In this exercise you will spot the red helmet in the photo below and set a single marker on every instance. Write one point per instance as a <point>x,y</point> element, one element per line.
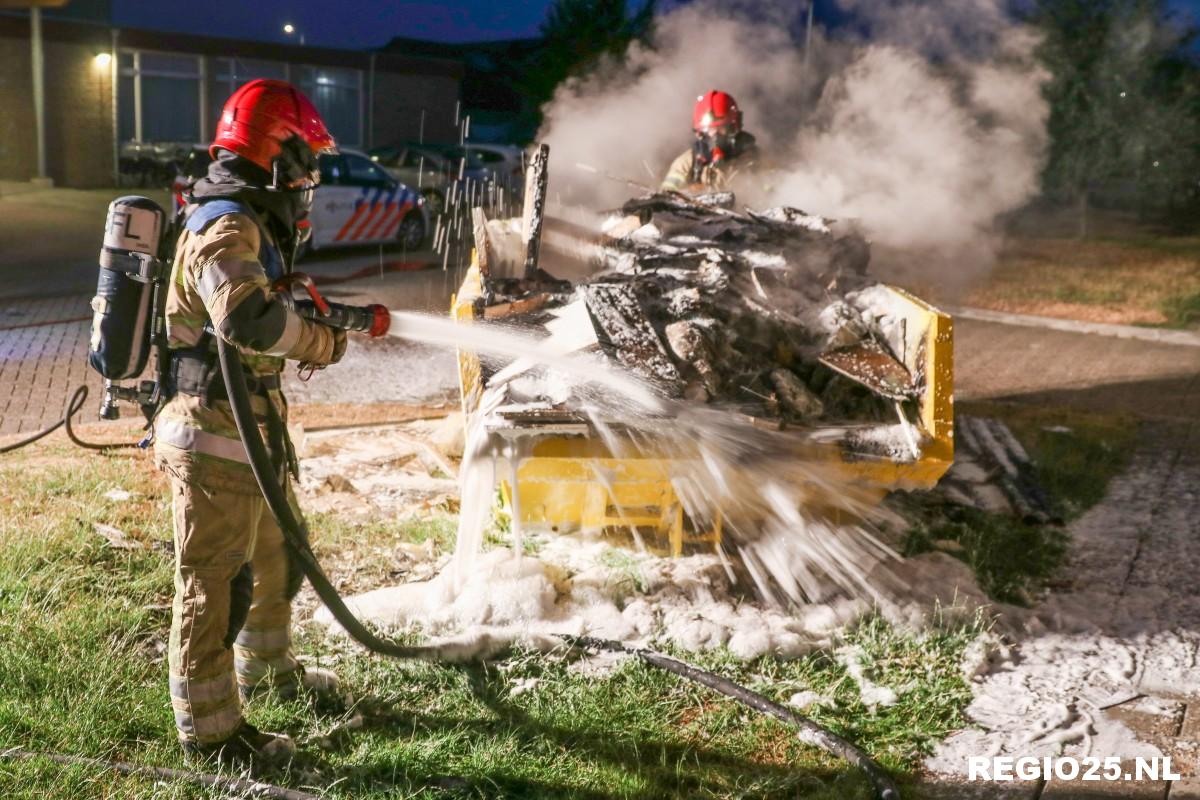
<point>716,112</point>
<point>263,115</point>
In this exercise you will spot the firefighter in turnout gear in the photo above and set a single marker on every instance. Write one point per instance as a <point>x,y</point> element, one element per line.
<point>721,148</point>
<point>230,628</point>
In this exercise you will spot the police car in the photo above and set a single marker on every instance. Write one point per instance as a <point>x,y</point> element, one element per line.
<point>358,202</point>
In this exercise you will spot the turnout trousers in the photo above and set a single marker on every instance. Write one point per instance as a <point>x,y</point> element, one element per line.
<point>231,619</point>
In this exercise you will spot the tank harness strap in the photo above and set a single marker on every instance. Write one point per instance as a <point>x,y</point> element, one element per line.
<point>700,159</point>
<point>209,211</point>
<point>195,372</point>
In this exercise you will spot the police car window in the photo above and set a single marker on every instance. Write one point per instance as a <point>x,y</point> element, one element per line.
<point>362,172</point>
<point>331,169</point>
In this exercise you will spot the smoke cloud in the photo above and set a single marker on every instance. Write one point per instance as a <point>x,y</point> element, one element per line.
<point>925,123</point>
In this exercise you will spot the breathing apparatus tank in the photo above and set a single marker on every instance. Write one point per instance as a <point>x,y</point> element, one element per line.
<point>127,308</point>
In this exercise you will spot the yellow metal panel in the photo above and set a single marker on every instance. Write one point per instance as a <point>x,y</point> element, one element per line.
<point>570,482</point>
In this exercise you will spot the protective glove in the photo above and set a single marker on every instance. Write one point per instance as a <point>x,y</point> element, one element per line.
<point>305,369</point>
<point>339,345</point>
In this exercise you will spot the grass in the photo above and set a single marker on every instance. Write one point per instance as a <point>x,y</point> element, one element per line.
<point>990,544</point>
<point>1075,455</point>
<point>1182,311</point>
<point>81,624</point>
<point>1136,278</point>
<point>626,566</point>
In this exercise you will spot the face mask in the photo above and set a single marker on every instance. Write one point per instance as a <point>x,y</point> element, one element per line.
<point>295,168</point>
<point>720,144</point>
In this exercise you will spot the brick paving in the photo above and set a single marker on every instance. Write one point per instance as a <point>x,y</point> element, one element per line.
<point>993,361</point>
<point>41,364</point>
<point>1132,566</point>
<point>43,355</point>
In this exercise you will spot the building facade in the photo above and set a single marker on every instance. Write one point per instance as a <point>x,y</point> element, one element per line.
<point>114,96</point>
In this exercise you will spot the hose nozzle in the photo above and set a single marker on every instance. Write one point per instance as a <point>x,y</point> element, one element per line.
<point>373,320</point>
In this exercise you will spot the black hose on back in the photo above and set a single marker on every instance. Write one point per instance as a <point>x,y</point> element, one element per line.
<point>295,534</point>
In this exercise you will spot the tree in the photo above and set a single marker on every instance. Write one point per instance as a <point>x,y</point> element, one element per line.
<point>1122,100</point>
<point>577,35</point>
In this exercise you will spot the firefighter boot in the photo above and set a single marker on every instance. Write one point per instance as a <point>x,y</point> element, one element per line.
<point>247,746</point>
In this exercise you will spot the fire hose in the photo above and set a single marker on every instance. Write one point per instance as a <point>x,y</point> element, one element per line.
<point>295,533</point>
<point>74,404</point>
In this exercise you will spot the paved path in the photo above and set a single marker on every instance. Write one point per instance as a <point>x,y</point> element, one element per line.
<point>1108,665</point>
<point>42,360</point>
<point>1160,335</point>
<point>42,363</point>
<point>998,361</point>
<point>49,239</point>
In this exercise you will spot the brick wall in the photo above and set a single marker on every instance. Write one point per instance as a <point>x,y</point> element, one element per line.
<point>399,100</point>
<point>79,114</point>
<point>18,151</point>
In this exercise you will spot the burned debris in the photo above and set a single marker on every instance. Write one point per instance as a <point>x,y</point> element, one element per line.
<point>769,313</point>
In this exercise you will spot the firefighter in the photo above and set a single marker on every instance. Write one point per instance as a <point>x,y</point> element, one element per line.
<point>720,148</point>
<point>230,622</point>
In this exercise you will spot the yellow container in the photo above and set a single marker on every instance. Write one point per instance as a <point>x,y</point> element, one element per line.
<point>569,482</point>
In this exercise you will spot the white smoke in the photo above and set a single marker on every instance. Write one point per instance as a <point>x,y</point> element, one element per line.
<point>927,128</point>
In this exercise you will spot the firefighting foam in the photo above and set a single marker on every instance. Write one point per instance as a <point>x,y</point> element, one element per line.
<point>786,578</point>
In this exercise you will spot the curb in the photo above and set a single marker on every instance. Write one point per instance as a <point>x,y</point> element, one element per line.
<point>1157,335</point>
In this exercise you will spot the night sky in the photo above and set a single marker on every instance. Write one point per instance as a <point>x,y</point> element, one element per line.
<point>354,24</point>
<point>358,24</point>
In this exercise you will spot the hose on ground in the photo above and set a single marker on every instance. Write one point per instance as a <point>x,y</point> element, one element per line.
<point>809,731</point>
<point>74,404</point>
<point>241,786</point>
<point>295,533</point>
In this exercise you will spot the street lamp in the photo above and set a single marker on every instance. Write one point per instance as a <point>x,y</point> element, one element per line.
<point>290,30</point>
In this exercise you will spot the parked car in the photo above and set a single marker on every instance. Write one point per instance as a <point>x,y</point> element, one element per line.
<point>428,168</point>
<point>358,202</point>
<point>502,163</point>
<point>434,168</point>
<point>145,164</point>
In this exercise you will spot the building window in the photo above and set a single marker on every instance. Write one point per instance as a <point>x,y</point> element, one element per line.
<point>230,73</point>
<point>158,97</point>
<point>337,94</point>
